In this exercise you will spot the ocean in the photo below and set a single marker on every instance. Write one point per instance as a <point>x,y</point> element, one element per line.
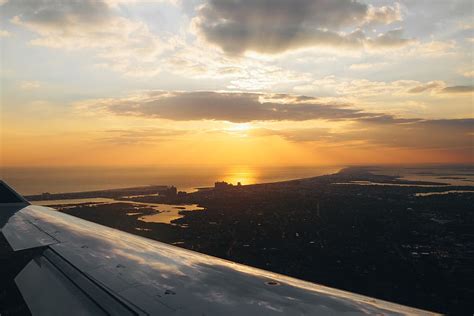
<point>76,179</point>
<point>29,181</point>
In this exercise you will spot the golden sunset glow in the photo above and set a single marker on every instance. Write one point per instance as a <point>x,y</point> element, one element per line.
<point>173,92</point>
<point>241,174</point>
<point>240,129</point>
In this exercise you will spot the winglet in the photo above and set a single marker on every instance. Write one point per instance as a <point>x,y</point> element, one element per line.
<point>8,196</point>
<point>10,203</point>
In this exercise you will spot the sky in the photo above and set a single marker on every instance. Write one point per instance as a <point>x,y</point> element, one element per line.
<point>255,82</point>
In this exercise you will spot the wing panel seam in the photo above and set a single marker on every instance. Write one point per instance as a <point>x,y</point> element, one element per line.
<point>63,265</point>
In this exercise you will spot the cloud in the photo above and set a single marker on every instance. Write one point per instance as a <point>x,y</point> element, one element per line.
<point>326,124</point>
<point>433,85</point>
<point>384,14</point>
<point>140,136</point>
<point>224,106</point>
<point>250,74</point>
<point>125,45</point>
<point>4,33</point>
<point>448,134</point>
<point>275,26</point>
<point>389,39</point>
<point>244,107</point>
<point>468,74</point>
<point>458,89</point>
<point>29,85</point>
<point>368,88</point>
<point>431,49</point>
<point>367,66</point>
<point>236,107</point>
<point>315,134</point>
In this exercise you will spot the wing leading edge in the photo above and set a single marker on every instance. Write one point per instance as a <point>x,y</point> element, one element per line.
<point>89,269</point>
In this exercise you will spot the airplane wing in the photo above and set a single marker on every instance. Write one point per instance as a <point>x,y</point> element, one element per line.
<point>82,268</point>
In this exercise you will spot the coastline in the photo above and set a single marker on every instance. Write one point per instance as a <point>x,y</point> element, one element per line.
<point>352,176</point>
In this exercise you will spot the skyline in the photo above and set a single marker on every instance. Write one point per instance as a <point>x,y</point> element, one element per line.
<point>265,82</point>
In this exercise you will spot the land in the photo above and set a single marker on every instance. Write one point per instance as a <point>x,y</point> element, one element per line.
<point>378,239</point>
<point>111,193</point>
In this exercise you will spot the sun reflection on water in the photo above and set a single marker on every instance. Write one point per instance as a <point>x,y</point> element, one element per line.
<point>244,175</point>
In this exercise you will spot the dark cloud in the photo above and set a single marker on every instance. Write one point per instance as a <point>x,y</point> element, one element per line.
<point>239,107</point>
<point>449,134</point>
<point>437,134</point>
<point>233,107</point>
<point>458,89</point>
<point>387,119</point>
<point>58,13</point>
<point>425,87</point>
<point>272,26</point>
<point>361,127</point>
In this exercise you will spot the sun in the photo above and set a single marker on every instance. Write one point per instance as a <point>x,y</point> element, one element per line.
<point>239,128</point>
